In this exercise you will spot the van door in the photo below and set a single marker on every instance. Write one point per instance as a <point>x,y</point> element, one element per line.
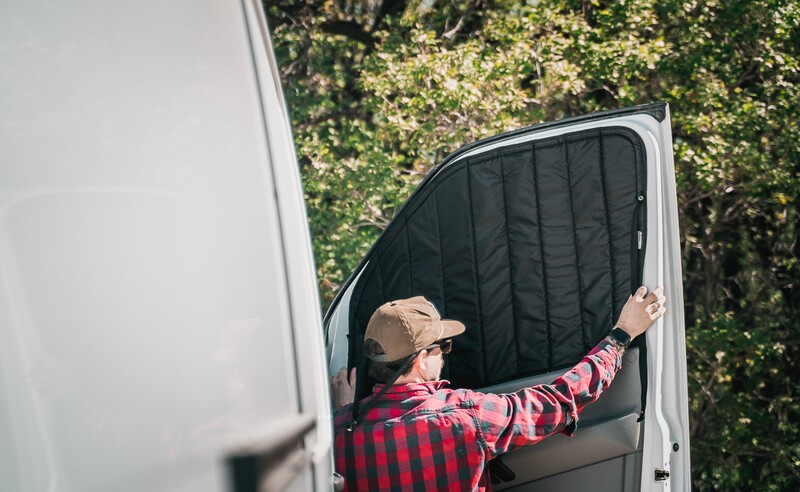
<point>535,239</point>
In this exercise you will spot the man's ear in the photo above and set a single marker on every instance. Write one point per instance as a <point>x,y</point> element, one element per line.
<point>421,361</point>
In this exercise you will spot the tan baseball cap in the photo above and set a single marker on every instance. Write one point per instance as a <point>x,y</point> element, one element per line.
<point>406,327</point>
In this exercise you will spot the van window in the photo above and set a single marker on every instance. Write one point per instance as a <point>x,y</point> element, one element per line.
<point>534,247</point>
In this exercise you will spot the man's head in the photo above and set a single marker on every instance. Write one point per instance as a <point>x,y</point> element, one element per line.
<point>408,328</point>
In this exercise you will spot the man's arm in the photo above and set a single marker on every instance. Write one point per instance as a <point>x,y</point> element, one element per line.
<point>508,421</point>
<point>531,414</point>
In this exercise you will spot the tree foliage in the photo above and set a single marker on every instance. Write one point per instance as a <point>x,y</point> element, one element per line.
<point>381,90</point>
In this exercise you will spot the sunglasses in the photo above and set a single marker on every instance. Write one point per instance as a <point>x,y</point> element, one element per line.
<point>444,345</point>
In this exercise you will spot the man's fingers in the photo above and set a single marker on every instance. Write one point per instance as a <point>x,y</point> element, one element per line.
<point>353,377</point>
<point>659,313</point>
<point>640,293</point>
<point>655,295</point>
<point>657,302</point>
<point>653,308</point>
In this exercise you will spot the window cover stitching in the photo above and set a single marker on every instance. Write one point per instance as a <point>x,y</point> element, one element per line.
<point>548,327</point>
<point>581,302</point>
<point>510,266</point>
<point>602,161</point>
<point>475,275</point>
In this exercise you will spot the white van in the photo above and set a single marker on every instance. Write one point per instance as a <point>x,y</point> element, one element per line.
<point>159,318</point>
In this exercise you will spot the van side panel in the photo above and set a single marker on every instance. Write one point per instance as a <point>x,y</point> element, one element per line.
<point>145,311</point>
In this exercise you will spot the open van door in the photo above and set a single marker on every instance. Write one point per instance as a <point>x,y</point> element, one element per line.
<point>534,239</point>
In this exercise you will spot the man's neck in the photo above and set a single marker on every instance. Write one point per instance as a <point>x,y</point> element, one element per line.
<point>409,380</point>
<point>413,377</point>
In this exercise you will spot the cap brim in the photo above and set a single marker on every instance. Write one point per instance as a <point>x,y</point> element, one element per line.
<point>451,328</point>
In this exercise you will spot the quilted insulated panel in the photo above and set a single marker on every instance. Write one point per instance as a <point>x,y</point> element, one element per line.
<point>535,247</point>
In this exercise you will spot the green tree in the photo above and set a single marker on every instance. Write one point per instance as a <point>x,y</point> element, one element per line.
<point>381,90</point>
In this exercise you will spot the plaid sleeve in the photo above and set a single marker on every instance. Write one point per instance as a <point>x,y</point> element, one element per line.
<point>507,421</point>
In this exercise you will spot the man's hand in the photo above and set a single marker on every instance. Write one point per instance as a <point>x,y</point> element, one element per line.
<point>343,388</point>
<point>641,310</point>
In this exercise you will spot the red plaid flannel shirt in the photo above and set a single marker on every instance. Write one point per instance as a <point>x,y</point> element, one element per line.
<point>424,436</point>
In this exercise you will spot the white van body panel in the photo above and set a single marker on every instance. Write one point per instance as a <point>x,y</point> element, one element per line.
<point>666,439</point>
<point>156,277</point>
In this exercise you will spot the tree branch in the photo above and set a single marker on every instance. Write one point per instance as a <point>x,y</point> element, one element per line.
<point>349,29</point>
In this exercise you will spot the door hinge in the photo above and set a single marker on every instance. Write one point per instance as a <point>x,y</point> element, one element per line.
<point>661,475</point>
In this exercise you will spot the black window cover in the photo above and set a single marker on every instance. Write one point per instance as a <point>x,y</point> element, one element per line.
<point>535,247</point>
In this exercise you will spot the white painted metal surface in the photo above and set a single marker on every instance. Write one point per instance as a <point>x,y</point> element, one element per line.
<point>666,415</point>
<point>156,278</point>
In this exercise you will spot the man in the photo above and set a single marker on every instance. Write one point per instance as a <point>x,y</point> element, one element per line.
<point>414,433</point>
